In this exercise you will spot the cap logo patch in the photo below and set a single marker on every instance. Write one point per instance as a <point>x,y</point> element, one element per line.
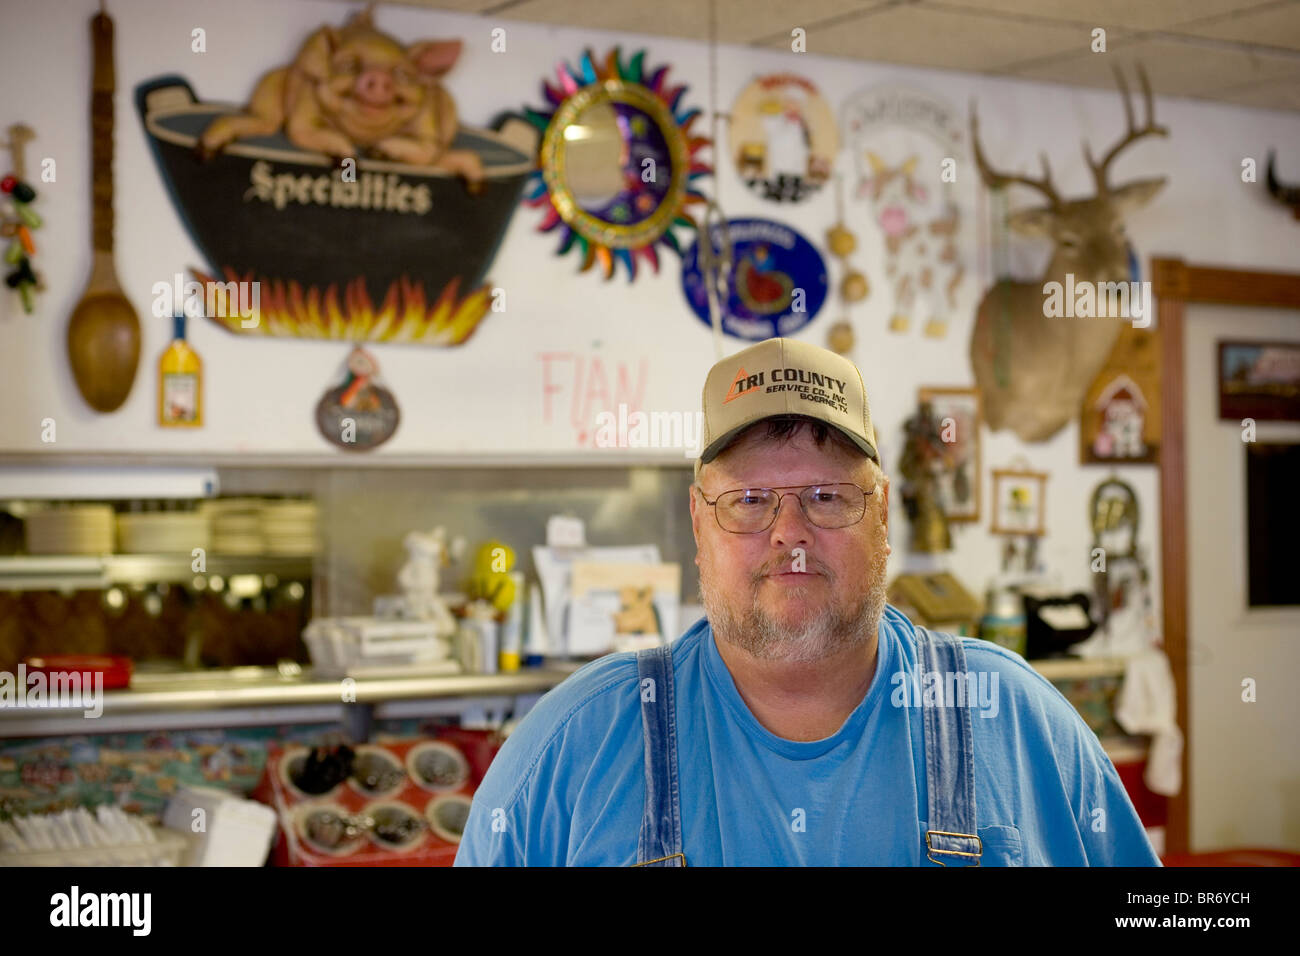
<point>743,384</point>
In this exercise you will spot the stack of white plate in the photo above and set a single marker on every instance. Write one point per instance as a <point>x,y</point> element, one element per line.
<point>162,532</point>
<point>235,525</point>
<point>289,527</point>
<point>71,529</point>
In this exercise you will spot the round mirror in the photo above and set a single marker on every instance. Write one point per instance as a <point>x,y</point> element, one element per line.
<point>616,161</point>
<point>612,154</point>
<point>594,158</point>
<point>613,159</point>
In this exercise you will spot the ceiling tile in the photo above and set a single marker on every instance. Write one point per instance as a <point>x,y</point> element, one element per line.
<point>1176,68</point>
<point>947,39</point>
<point>453,6</point>
<point>1281,94</point>
<point>1277,25</point>
<point>1127,14</point>
<point>751,20</point>
<point>739,21</point>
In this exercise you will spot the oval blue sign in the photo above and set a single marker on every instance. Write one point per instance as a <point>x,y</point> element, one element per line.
<point>778,281</point>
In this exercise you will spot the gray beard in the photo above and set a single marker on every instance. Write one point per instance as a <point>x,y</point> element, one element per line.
<point>834,628</point>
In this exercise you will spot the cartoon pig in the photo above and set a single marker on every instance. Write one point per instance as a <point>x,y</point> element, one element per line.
<point>355,89</point>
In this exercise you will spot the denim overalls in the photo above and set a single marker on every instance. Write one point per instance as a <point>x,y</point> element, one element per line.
<point>949,837</point>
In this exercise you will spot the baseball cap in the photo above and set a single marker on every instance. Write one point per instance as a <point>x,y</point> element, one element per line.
<point>784,377</point>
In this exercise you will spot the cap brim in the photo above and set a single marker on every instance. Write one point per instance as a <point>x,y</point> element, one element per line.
<point>716,446</point>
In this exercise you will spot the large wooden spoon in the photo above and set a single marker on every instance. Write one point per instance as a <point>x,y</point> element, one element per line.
<point>103,333</point>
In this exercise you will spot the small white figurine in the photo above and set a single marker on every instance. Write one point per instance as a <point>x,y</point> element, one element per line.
<point>419,578</point>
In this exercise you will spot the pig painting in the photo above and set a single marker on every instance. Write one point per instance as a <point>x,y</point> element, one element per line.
<point>354,91</point>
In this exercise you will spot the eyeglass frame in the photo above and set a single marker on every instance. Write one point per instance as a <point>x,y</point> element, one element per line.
<point>776,512</point>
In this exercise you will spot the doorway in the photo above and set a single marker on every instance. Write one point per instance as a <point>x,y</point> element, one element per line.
<point>1233,662</point>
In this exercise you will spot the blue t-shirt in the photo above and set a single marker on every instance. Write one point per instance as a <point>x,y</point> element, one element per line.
<point>568,786</point>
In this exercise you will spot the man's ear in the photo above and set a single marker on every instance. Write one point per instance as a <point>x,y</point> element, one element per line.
<point>696,514</point>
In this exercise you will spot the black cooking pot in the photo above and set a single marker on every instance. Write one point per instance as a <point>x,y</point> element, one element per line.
<point>265,209</point>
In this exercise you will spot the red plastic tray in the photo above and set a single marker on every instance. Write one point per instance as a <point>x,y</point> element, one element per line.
<point>116,669</point>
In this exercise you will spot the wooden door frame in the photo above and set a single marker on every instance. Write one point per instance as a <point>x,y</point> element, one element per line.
<point>1176,284</point>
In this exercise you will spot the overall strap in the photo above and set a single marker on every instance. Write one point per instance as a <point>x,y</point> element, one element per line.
<point>660,843</point>
<point>951,836</point>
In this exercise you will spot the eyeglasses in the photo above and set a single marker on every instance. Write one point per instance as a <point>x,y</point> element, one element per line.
<point>751,510</point>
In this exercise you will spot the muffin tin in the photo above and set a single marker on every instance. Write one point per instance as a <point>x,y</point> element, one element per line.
<point>437,766</point>
<point>405,802</point>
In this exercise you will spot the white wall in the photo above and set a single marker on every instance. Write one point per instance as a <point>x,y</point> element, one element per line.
<point>488,395</point>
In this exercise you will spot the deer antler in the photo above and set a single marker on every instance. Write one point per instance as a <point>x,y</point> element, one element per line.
<point>996,180</point>
<point>1099,170</point>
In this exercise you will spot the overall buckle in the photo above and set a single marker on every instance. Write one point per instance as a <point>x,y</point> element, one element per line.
<point>662,859</point>
<point>930,850</point>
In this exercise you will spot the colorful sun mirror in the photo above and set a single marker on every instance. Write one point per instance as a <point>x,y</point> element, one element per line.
<point>616,162</point>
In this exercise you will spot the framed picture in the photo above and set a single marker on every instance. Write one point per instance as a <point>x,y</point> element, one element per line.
<point>1019,502</point>
<point>959,414</point>
<point>623,607</point>
<point>1259,380</point>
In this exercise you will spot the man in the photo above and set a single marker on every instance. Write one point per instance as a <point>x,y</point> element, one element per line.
<point>802,720</point>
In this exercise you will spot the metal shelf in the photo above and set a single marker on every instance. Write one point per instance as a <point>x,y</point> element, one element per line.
<point>257,695</point>
<point>95,572</point>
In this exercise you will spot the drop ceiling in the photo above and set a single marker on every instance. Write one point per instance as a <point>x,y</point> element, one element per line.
<point>1243,52</point>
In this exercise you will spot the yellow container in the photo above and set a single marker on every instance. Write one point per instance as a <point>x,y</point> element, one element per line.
<point>180,382</point>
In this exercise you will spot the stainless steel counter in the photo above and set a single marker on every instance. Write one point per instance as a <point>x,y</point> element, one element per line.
<point>263,695</point>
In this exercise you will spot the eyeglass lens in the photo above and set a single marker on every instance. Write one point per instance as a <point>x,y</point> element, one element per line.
<point>748,510</point>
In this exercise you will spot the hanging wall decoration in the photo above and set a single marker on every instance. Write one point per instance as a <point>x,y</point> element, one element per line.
<point>1120,416</point>
<point>925,458</point>
<point>345,201</point>
<point>358,414</point>
<point>1122,602</point>
<point>18,220</point>
<point>783,137</point>
<point>853,284</point>
<point>617,161</point>
<point>103,337</point>
<point>957,413</point>
<point>906,145</point>
<point>777,283</point>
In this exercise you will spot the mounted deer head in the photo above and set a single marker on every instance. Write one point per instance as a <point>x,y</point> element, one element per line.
<point>1033,370</point>
<point>1286,194</point>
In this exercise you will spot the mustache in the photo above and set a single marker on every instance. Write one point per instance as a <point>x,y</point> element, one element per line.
<point>811,565</point>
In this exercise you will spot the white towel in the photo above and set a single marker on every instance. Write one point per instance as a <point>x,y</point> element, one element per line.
<point>1146,704</point>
